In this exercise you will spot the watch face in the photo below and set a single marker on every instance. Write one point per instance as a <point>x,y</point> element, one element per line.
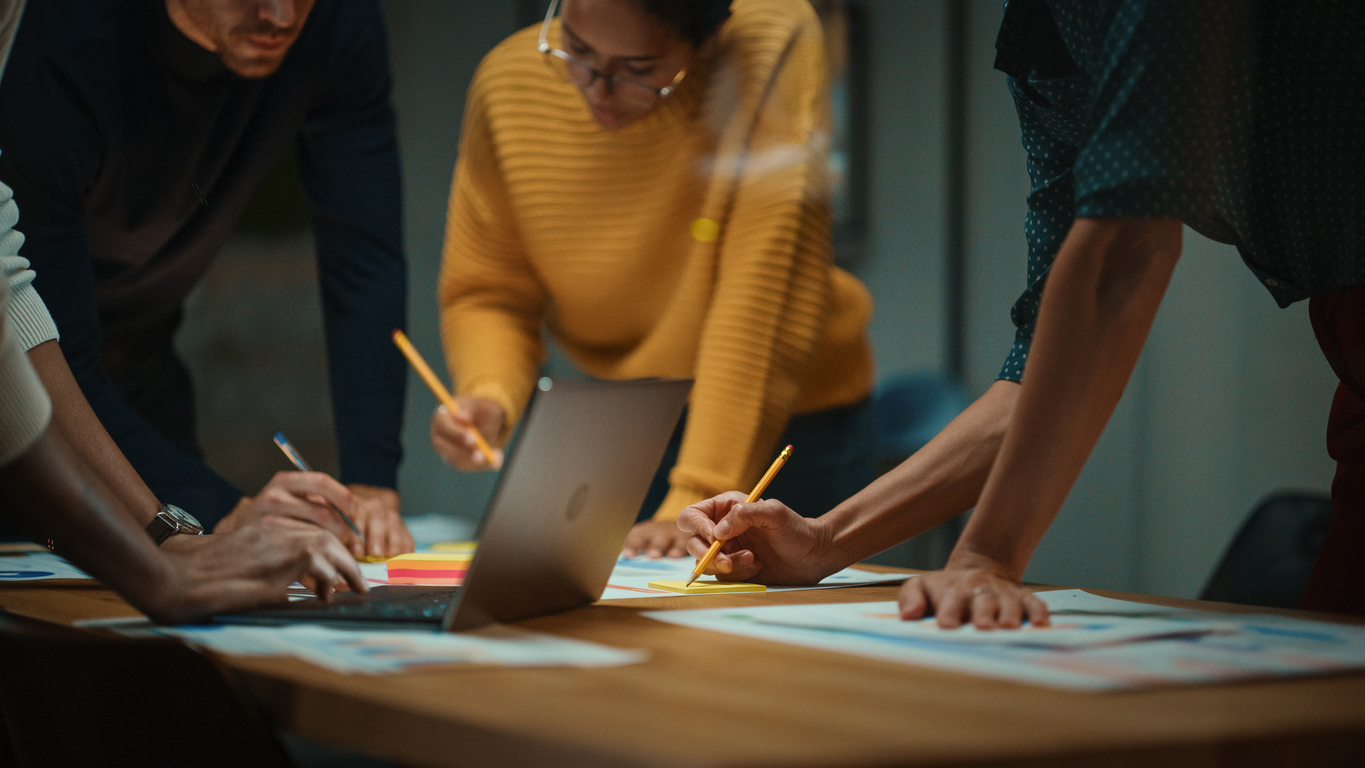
<point>183,517</point>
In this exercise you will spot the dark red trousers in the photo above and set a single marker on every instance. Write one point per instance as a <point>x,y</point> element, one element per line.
<point>1338,580</point>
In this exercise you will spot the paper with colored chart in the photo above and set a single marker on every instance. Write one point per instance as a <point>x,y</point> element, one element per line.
<point>632,575</point>
<point>388,651</point>
<point>1195,647</point>
<point>37,566</point>
<point>445,565</point>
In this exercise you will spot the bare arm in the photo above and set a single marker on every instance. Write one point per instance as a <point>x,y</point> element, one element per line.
<point>51,494</point>
<point>941,480</point>
<point>86,436</point>
<point>1102,294</point>
<point>61,493</point>
<point>292,495</point>
<point>772,544</point>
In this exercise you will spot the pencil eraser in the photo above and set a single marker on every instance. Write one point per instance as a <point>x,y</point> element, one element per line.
<point>707,587</point>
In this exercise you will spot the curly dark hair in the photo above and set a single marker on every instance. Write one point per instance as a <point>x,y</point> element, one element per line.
<point>695,20</point>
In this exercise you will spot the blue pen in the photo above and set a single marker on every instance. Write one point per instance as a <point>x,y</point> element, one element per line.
<point>297,459</point>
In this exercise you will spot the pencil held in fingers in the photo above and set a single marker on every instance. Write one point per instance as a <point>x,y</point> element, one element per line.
<point>762,486</point>
<point>296,459</point>
<point>437,388</point>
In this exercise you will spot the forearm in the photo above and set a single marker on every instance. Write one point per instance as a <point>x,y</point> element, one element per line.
<point>941,480</point>
<point>86,436</point>
<point>49,493</point>
<point>1102,294</point>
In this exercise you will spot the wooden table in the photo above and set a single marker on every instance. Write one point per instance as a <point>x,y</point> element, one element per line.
<point>707,699</point>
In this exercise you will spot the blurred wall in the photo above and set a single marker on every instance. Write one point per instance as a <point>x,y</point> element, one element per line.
<point>1228,403</point>
<point>436,44</point>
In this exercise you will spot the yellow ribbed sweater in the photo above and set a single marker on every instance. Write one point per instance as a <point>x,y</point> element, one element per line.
<point>556,222</point>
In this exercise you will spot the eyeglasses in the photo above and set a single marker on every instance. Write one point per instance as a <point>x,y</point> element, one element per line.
<point>578,71</point>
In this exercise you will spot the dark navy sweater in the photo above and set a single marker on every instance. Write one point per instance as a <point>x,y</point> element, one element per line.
<point>132,152</point>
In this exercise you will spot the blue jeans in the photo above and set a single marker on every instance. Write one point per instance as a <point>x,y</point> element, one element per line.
<point>834,456</point>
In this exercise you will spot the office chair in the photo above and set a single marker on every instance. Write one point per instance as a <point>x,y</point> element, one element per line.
<point>76,698</point>
<point>912,409</point>
<point>1270,560</point>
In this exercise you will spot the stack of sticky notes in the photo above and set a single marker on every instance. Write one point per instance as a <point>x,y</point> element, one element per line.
<point>436,569</point>
<point>455,547</point>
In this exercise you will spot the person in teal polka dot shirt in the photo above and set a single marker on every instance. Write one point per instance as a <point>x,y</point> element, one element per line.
<point>1244,120</point>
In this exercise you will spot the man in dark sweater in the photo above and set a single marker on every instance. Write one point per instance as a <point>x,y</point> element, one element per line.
<point>135,132</point>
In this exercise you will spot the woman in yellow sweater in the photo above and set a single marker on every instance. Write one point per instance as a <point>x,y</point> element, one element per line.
<point>647,180</point>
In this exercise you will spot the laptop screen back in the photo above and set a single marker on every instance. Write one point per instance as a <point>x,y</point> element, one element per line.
<point>567,498</point>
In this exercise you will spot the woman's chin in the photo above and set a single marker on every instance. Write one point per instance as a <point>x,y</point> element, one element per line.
<point>611,121</point>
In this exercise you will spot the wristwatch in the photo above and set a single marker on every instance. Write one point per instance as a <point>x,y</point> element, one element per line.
<point>171,520</point>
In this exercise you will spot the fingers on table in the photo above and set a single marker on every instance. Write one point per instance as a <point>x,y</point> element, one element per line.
<point>914,601</point>
<point>985,606</point>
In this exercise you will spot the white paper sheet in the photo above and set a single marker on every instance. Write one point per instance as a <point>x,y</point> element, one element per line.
<point>631,576</point>
<point>1211,647</point>
<point>431,529</point>
<point>390,651</point>
<point>35,566</point>
<point>882,621</point>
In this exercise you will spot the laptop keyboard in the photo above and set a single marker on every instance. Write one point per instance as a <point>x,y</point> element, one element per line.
<point>406,604</point>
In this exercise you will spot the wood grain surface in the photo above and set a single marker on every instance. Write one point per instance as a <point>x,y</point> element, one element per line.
<point>709,699</point>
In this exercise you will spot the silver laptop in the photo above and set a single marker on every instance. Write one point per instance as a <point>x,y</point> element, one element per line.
<point>567,497</point>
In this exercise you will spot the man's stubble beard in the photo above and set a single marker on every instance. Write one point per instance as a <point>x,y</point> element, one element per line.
<point>251,68</point>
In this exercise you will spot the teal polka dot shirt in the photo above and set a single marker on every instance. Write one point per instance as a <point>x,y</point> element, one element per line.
<point>1246,120</point>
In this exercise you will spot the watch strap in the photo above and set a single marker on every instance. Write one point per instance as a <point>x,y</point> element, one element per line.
<point>171,520</point>
<point>162,527</point>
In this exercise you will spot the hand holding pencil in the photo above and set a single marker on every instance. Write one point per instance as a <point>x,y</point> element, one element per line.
<point>762,541</point>
<point>457,433</point>
<point>704,561</point>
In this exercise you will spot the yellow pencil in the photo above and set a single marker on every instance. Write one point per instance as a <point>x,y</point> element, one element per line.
<point>753,496</point>
<point>415,358</point>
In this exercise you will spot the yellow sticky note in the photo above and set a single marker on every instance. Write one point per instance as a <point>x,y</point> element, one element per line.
<point>372,559</point>
<point>454,546</point>
<point>707,587</point>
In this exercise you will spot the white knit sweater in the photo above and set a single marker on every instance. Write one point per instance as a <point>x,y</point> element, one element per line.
<point>25,409</point>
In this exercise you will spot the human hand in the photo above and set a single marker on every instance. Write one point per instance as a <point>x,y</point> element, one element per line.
<point>454,442</point>
<point>656,538</point>
<point>972,588</point>
<point>248,567</point>
<point>765,541</point>
<point>374,511</point>
<point>299,500</point>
